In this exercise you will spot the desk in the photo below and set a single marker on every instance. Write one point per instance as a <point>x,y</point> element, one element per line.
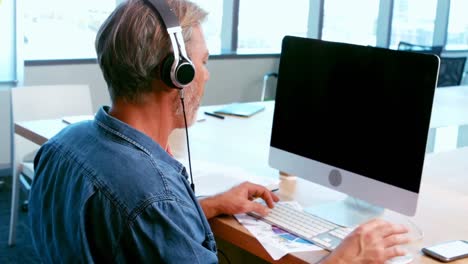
<point>442,211</point>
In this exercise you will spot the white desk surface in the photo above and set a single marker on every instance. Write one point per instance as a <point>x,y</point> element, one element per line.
<point>450,106</point>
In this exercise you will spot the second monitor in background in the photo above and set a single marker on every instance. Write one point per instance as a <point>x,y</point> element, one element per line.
<point>354,119</point>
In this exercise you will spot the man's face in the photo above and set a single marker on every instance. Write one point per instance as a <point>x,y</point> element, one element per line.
<point>193,93</point>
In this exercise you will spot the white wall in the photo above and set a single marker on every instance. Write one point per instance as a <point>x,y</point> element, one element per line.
<point>237,79</point>
<point>232,79</point>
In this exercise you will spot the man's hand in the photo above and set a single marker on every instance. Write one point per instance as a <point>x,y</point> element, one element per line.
<point>373,242</point>
<point>239,199</point>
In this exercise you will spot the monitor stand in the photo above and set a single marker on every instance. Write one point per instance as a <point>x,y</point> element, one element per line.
<point>348,212</point>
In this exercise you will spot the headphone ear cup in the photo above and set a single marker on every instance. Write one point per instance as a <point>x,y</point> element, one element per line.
<point>166,67</point>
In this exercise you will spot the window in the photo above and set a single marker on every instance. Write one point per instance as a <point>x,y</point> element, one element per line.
<point>66,29</point>
<point>7,50</point>
<point>457,34</point>
<point>213,23</point>
<point>63,29</point>
<point>413,22</point>
<point>351,21</point>
<point>264,23</point>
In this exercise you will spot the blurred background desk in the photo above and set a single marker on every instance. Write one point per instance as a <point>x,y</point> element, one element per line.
<point>244,142</point>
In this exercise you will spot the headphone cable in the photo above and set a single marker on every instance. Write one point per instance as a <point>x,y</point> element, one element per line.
<point>192,184</point>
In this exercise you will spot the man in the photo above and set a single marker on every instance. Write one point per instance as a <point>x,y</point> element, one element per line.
<point>110,191</point>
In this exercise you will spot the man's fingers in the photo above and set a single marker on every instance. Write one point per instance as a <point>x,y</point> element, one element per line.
<point>268,197</point>
<point>257,208</point>
<point>394,240</point>
<point>382,228</point>
<point>394,252</point>
<point>392,229</point>
<point>275,197</point>
<point>259,191</point>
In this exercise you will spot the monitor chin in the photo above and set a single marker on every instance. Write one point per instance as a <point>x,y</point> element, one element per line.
<point>362,198</point>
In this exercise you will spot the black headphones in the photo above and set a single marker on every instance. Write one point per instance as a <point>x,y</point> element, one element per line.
<point>176,69</point>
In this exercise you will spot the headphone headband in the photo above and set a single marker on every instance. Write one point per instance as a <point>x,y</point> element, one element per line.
<point>177,69</point>
<point>164,12</point>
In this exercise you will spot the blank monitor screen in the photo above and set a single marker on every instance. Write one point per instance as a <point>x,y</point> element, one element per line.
<point>362,109</point>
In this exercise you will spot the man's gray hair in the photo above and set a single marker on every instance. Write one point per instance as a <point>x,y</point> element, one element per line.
<point>132,42</point>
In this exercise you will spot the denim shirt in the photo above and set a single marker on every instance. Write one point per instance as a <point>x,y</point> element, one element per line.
<point>105,192</point>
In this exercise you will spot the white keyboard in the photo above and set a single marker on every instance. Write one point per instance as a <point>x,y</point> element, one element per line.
<point>307,226</point>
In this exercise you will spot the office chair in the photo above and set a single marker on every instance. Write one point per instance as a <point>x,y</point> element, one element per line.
<point>35,103</point>
<point>437,50</point>
<point>451,71</point>
<point>268,88</point>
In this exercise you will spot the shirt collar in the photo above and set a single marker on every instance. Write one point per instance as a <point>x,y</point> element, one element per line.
<point>134,137</point>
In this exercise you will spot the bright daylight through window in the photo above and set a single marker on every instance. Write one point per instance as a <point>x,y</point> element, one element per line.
<point>357,27</point>
<point>413,21</point>
<point>213,23</point>
<point>63,29</point>
<point>264,23</point>
<point>457,35</point>
<point>66,29</point>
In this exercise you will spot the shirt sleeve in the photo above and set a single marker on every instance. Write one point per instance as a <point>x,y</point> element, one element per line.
<point>167,232</point>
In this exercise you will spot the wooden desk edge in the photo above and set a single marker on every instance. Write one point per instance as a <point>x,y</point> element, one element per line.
<point>26,133</point>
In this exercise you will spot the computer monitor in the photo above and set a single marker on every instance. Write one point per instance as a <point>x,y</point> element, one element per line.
<point>355,119</point>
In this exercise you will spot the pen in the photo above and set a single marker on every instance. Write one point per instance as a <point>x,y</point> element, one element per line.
<point>214,115</point>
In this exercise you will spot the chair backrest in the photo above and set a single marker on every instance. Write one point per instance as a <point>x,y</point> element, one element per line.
<point>437,50</point>
<point>451,71</point>
<point>45,102</point>
<point>50,101</point>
